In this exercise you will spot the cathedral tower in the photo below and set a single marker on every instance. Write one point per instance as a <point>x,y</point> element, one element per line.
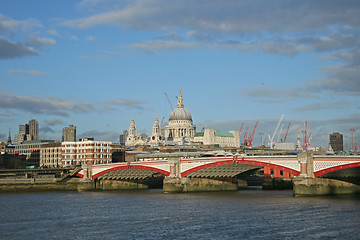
<point>156,138</point>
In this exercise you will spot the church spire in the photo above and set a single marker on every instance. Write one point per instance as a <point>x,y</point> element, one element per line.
<point>9,139</point>
<point>180,103</point>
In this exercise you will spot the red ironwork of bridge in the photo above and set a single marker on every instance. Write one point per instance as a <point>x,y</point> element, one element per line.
<point>277,166</point>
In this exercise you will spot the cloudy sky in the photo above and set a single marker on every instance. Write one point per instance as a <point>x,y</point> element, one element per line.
<point>97,63</point>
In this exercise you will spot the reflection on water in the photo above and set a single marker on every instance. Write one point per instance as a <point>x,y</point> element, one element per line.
<point>151,214</point>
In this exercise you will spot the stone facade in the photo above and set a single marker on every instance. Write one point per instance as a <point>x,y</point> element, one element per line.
<point>51,155</point>
<point>156,138</point>
<point>221,139</point>
<point>180,127</point>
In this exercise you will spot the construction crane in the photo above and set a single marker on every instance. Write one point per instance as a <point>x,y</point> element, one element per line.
<point>168,99</point>
<point>271,139</point>
<point>285,136</point>
<point>251,137</point>
<point>162,121</point>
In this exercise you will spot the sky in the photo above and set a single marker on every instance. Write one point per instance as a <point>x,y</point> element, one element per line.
<point>97,63</point>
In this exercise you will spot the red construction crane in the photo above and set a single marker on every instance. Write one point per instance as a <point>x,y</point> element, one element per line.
<point>162,121</point>
<point>251,137</point>
<point>285,136</point>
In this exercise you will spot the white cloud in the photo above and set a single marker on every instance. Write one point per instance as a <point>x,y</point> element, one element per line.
<point>53,32</point>
<point>30,73</point>
<point>75,38</point>
<point>128,103</point>
<point>36,41</point>
<point>91,38</point>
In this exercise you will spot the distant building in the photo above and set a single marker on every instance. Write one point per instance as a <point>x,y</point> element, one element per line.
<point>180,126</point>
<point>34,129</point>
<point>221,139</point>
<point>51,155</point>
<point>86,151</point>
<point>336,141</point>
<point>31,149</point>
<point>133,139</point>
<point>123,137</point>
<point>2,147</point>
<point>28,132</point>
<point>156,138</point>
<point>69,134</point>
<point>284,146</point>
<point>23,131</point>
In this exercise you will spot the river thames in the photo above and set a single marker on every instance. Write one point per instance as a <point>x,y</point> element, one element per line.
<point>151,214</point>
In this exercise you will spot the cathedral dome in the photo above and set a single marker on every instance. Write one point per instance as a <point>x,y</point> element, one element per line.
<point>180,113</point>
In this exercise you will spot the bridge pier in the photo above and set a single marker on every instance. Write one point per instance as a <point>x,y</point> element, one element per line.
<point>86,183</point>
<point>186,184</point>
<point>175,183</point>
<point>307,185</point>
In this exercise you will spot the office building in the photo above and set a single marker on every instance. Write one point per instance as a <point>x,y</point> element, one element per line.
<point>69,134</point>
<point>336,142</point>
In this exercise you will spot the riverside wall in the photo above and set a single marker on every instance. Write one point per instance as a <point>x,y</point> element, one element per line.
<point>32,185</point>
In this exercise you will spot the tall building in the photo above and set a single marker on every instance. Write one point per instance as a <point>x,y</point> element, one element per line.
<point>180,127</point>
<point>24,129</point>
<point>336,141</point>
<point>23,132</point>
<point>69,134</point>
<point>123,137</point>
<point>34,129</point>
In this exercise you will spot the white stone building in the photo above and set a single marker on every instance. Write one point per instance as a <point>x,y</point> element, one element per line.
<point>86,151</point>
<point>156,138</point>
<point>222,139</point>
<point>180,127</point>
<point>51,155</point>
<point>133,139</point>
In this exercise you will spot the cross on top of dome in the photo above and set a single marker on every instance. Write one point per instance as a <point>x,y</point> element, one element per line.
<point>180,103</point>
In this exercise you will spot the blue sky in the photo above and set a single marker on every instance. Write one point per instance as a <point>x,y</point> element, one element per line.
<point>97,63</point>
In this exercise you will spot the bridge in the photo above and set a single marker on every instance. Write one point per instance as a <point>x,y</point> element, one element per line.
<point>302,171</point>
<point>280,166</point>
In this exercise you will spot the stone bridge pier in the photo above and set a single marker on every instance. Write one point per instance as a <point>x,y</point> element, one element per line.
<point>307,185</point>
<point>176,183</point>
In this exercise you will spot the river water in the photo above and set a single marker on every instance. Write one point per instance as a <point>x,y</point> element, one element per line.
<point>151,214</point>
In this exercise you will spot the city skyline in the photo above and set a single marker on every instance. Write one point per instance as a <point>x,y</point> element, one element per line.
<point>96,63</point>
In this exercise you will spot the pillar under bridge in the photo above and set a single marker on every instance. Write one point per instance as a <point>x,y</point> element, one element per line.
<point>212,179</point>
